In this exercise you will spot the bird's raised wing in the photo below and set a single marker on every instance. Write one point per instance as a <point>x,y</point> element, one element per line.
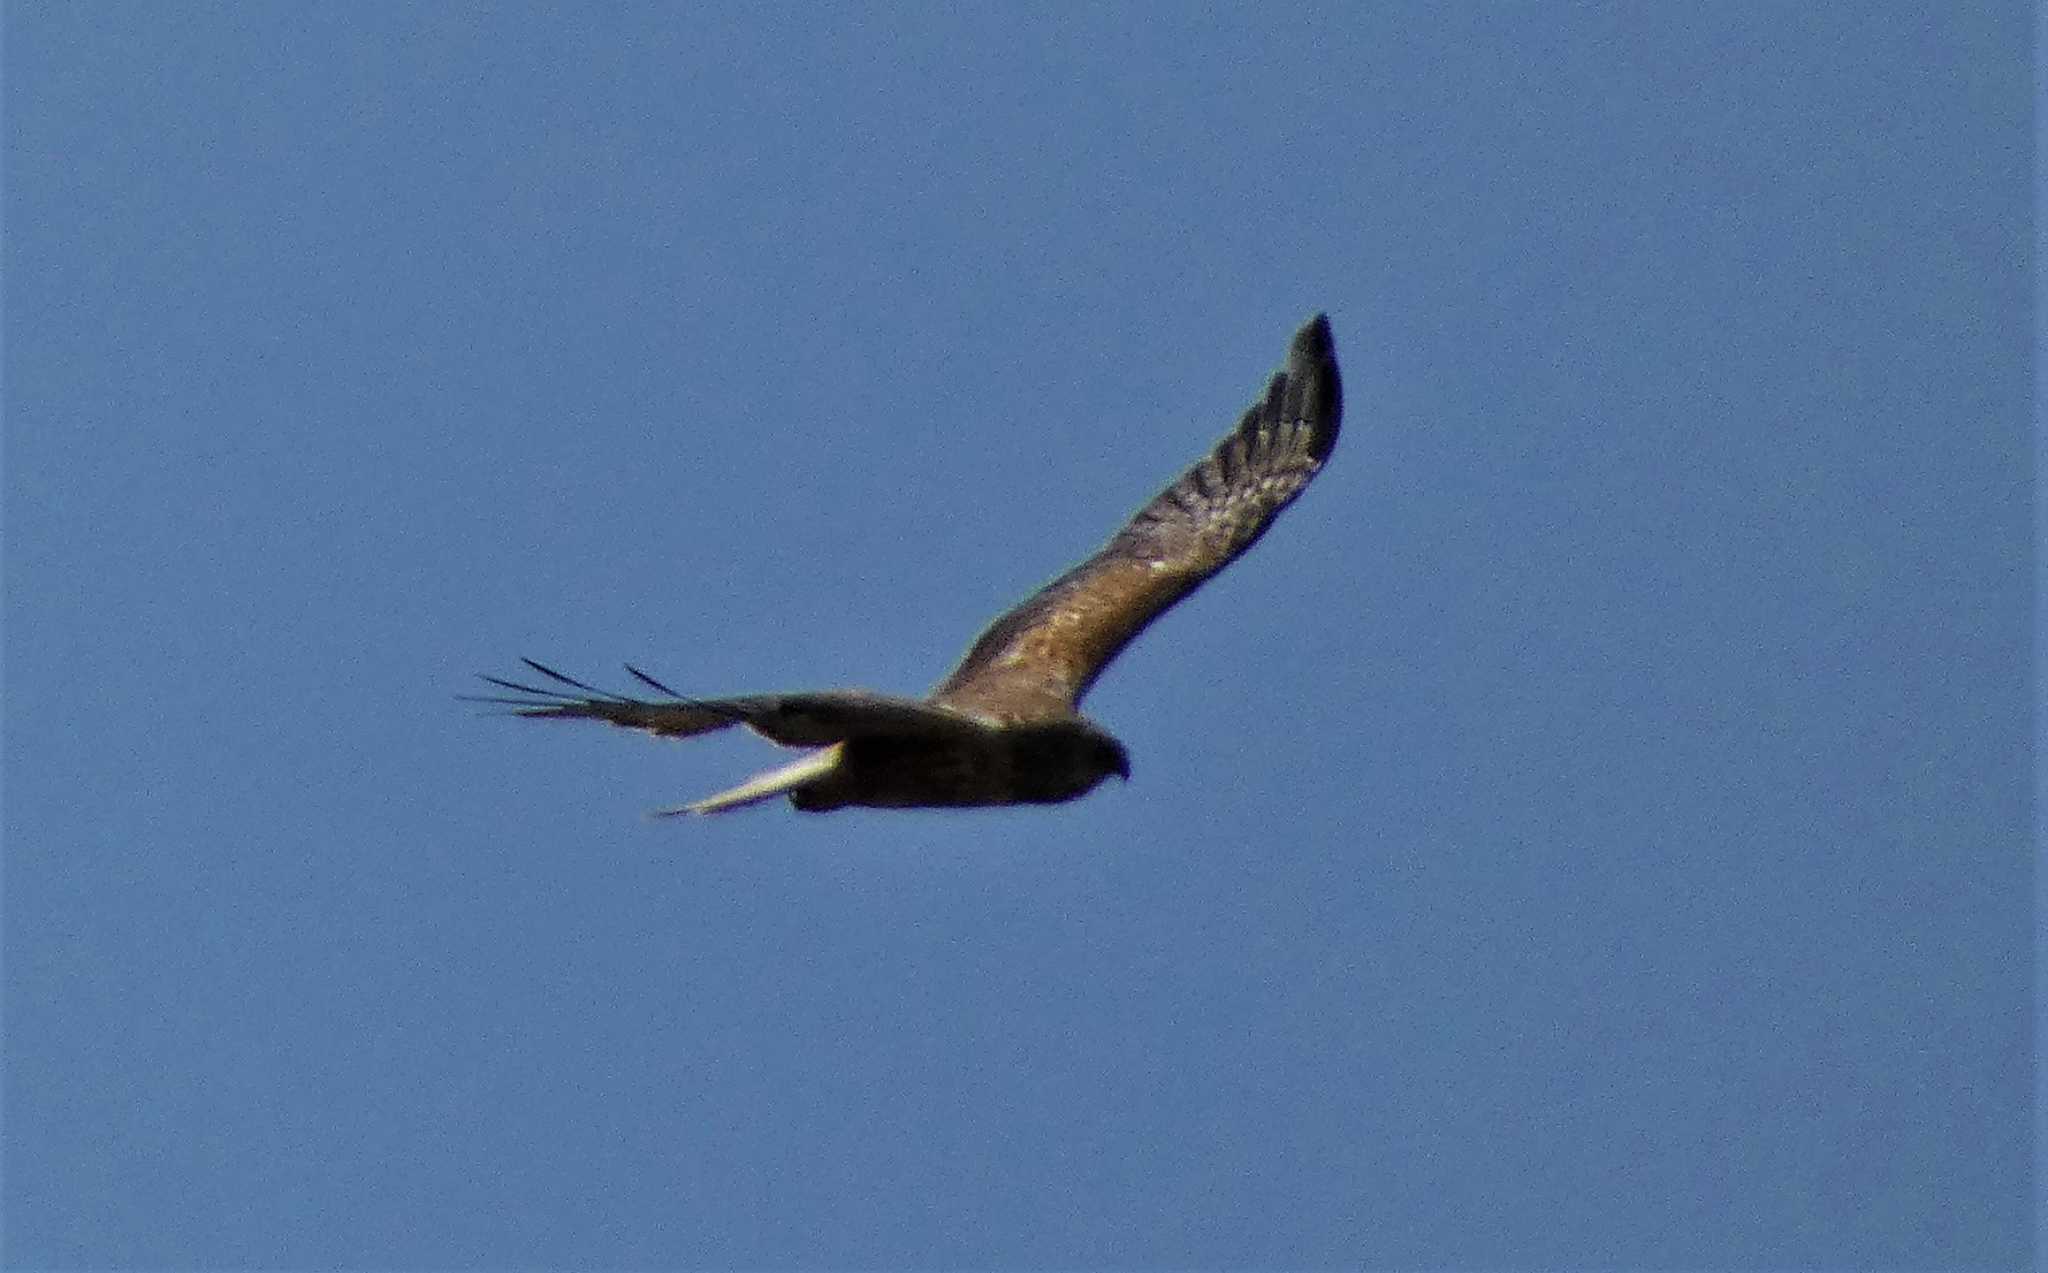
<point>1040,658</point>
<point>796,720</point>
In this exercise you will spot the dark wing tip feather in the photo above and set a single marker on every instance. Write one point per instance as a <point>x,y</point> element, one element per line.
<point>520,687</point>
<point>1282,440</point>
<point>571,699</point>
<point>1310,389</point>
<point>650,682</point>
<point>1313,341</point>
<point>570,681</point>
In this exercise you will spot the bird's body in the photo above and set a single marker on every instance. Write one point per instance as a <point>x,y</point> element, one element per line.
<point>1004,727</point>
<point>1043,762</point>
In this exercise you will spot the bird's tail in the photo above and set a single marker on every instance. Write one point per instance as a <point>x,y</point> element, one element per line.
<point>764,786</point>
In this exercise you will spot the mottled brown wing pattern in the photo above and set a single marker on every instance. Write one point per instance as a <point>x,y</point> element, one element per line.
<point>812,719</point>
<point>1040,658</point>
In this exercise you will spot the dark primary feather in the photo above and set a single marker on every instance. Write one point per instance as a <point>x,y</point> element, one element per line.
<point>678,717</point>
<point>798,720</point>
<point>1039,659</point>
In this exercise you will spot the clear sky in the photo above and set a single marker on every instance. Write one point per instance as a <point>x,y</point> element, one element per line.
<point>1592,829</point>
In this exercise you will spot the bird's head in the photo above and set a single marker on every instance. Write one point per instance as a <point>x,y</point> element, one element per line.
<point>1114,759</point>
<point>1102,754</point>
<point>1063,759</point>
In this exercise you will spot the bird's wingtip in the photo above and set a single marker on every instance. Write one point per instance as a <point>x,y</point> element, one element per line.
<point>1314,339</point>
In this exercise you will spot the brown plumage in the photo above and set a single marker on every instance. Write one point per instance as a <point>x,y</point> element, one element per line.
<point>1003,729</point>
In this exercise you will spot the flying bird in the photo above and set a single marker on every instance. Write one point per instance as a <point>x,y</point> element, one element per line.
<point>1004,727</point>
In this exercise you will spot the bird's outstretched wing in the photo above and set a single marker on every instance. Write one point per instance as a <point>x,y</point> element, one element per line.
<point>794,720</point>
<point>1040,658</point>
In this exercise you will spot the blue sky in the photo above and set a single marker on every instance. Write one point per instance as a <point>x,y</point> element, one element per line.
<point>1593,828</point>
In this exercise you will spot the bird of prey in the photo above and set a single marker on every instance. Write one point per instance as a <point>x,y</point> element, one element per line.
<point>1003,728</point>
